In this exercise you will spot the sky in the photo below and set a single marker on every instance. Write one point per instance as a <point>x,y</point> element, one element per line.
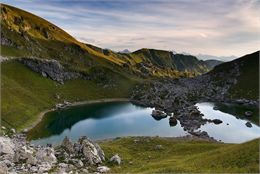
<point>219,28</point>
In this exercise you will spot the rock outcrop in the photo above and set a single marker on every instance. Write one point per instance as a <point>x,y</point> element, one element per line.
<point>50,68</point>
<point>19,156</point>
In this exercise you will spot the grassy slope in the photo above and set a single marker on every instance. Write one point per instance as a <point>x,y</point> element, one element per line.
<point>25,93</point>
<point>182,156</point>
<point>34,36</point>
<point>247,82</point>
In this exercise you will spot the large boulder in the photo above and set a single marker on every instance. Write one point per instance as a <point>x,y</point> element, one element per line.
<point>6,146</point>
<point>157,114</point>
<point>91,151</point>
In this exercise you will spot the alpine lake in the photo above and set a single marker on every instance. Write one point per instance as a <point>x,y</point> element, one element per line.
<point>107,120</point>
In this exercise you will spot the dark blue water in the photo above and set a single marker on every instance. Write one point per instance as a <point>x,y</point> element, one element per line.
<point>117,119</point>
<point>102,121</point>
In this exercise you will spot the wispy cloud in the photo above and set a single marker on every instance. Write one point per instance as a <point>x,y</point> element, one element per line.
<point>223,27</point>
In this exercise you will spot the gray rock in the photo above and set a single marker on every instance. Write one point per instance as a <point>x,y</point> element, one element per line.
<point>44,167</point>
<point>217,121</point>
<point>90,152</point>
<point>248,113</point>
<point>6,146</point>
<point>43,74</point>
<point>157,114</point>
<point>158,147</point>
<point>248,124</point>
<point>34,169</point>
<point>84,171</point>
<point>46,154</point>
<point>7,163</point>
<point>31,160</point>
<point>68,145</point>
<point>78,163</point>
<point>57,96</point>
<point>101,153</point>
<point>49,68</point>
<point>13,131</point>
<point>25,131</point>
<point>3,168</point>
<point>115,159</point>
<point>173,121</point>
<point>103,169</point>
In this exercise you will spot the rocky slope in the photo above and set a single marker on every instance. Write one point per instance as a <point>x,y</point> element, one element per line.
<point>179,96</point>
<point>211,63</point>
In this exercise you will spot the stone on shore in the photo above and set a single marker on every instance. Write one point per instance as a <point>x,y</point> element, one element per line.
<point>248,124</point>
<point>248,113</point>
<point>217,121</point>
<point>173,121</point>
<point>157,114</point>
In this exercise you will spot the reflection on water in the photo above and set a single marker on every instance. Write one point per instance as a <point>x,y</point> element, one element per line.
<point>232,130</point>
<point>101,121</point>
<point>116,119</point>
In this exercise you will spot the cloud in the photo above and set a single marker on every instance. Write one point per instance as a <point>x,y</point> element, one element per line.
<point>223,27</point>
<point>203,35</point>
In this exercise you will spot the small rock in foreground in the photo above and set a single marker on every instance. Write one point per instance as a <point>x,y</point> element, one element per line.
<point>115,159</point>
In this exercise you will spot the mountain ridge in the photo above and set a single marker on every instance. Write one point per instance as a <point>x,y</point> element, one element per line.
<point>32,36</point>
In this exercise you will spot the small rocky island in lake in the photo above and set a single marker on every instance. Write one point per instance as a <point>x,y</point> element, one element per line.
<point>73,102</point>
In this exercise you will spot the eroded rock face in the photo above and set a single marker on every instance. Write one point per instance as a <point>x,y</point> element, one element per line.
<point>49,68</point>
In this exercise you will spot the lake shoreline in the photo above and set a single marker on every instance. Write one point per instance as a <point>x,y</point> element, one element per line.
<point>41,115</point>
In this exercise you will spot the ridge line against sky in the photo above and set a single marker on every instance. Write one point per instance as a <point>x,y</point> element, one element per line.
<point>223,27</point>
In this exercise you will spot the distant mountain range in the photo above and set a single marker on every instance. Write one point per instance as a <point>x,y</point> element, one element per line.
<point>211,57</point>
